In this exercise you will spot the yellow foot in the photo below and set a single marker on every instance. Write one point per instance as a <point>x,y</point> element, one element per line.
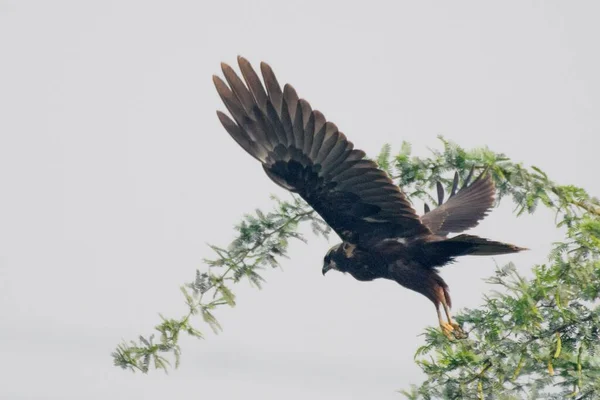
<point>453,331</point>
<point>447,330</point>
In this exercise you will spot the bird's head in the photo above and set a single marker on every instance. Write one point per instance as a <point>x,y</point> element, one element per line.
<point>336,257</point>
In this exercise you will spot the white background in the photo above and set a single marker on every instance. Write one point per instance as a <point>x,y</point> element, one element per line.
<point>115,172</point>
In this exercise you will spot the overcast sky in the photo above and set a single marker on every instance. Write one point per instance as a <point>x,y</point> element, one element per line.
<point>115,172</point>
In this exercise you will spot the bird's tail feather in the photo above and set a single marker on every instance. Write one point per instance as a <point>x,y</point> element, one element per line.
<point>477,246</point>
<point>435,254</point>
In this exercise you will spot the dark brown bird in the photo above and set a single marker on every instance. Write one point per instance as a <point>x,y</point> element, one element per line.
<point>382,235</point>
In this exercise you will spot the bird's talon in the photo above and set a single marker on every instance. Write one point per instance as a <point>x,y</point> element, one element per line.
<point>447,330</point>
<point>453,331</point>
<point>458,332</point>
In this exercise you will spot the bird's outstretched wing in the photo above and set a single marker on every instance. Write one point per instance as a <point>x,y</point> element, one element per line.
<point>464,209</point>
<point>303,152</point>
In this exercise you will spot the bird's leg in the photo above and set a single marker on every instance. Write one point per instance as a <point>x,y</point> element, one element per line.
<point>447,329</point>
<point>456,330</point>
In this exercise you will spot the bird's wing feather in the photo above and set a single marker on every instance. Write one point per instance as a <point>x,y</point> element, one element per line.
<point>464,209</point>
<point>303,152</point>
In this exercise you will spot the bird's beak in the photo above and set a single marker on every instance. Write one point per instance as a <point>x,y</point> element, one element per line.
<point>328,266</point>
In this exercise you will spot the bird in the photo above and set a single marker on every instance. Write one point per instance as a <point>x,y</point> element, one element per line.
<point>382,235</point>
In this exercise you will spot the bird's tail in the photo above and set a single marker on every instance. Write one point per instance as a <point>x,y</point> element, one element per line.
<point>477,246</point>
<point>444,251</point>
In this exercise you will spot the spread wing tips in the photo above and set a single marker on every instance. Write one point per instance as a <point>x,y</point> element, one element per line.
<point>454,184</point>
<point>273,88</point>
<point>229,99</point>
<point>303,152</point>
<point>253,82</point>
<point>242,138</point>
<point>237,86</point>
<point>465,207</point>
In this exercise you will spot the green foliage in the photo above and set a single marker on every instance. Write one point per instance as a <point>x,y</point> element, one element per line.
<point>532,338</point>
<point>383,160</point>
<point>261,241</point>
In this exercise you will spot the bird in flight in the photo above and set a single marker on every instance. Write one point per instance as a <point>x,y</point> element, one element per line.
<point>382,236</point>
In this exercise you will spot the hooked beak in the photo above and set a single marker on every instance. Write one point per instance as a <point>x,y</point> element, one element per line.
<point>330,265</point>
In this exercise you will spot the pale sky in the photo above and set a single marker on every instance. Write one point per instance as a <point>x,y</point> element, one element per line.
<point>115,172</point>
